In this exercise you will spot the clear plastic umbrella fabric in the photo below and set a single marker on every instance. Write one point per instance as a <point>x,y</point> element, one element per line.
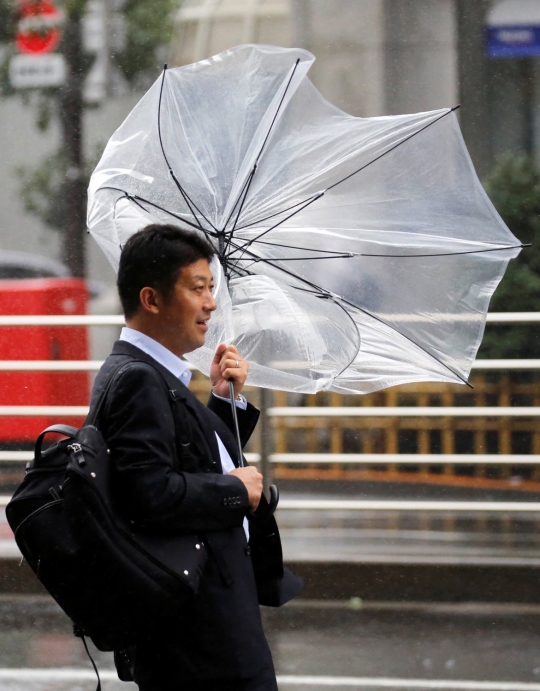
<point>354,253</point>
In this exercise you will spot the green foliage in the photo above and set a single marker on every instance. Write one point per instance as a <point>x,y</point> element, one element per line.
<point>514,188</point>
<point>149,27</point>
<point>42,188</point>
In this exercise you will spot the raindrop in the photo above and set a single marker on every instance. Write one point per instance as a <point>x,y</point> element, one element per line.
<point>355,602</point>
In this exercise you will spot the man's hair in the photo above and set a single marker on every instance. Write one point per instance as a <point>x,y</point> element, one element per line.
<point>154,257</point>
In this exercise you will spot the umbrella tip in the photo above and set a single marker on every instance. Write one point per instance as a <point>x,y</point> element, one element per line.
<point>456,107</point>
<point>165,67</point>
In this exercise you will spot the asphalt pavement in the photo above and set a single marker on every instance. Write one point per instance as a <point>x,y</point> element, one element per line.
<point>316,645</point>
<point>349,643</point>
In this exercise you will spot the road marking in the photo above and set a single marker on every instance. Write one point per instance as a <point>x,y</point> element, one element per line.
<point>72,674</point>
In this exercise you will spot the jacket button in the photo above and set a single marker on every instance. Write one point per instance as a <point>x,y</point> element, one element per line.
<point>247,550</point>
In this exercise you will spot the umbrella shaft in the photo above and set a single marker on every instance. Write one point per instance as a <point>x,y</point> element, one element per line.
<point>235,420</point>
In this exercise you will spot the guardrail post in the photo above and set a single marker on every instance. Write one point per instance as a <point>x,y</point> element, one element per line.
<point>266,437</point>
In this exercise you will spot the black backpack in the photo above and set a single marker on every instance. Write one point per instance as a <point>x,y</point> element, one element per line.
<point>116,583</point>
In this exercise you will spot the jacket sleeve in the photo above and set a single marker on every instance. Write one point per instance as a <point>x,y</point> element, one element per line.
<point>139,428</point>
<point>247,419</point>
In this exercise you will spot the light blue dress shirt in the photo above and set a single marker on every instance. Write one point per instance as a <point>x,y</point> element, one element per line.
<point>180,370</point>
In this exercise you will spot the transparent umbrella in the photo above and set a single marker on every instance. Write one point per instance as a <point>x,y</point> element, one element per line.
<point>354,253</point>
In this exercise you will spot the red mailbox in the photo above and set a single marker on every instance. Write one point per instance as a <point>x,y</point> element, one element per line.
<point>41,296</point>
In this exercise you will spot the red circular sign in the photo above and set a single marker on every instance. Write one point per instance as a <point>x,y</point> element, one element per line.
<point>39,26</point>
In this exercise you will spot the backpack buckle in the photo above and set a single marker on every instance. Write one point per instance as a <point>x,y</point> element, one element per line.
<point>76,450</point>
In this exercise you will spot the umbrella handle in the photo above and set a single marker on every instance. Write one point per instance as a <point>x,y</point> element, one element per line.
<point>267,506</point>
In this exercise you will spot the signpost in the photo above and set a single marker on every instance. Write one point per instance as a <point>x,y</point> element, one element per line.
<point>39,27</point>
<point>31,71</point>
<point>38,34</point>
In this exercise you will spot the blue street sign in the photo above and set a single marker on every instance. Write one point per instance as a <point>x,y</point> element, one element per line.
<point>513,41</point>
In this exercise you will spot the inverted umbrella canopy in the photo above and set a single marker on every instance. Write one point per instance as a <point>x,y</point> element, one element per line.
<point>354,253</point>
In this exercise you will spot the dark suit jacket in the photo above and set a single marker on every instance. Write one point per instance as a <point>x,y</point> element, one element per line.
<point>221,634</point>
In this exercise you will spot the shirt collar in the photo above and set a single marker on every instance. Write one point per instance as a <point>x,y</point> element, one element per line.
<point>161,354</point>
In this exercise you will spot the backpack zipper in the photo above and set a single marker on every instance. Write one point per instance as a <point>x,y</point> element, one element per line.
<point>77,452</point>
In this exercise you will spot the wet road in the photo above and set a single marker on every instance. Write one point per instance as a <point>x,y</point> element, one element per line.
<point>340,645</point>
<point>315,645</point>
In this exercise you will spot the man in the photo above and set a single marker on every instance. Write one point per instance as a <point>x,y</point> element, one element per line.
<point>165,287</point>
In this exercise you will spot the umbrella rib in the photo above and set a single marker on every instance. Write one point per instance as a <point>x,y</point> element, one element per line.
<point>322,292</point>
<point>405,256</point>
<point>348,255</point>
<point>447,254</point>
<point>244,197</point>
<point>256,239</point>
<point>266,218</point>
<point>295,247</point>
<point>381,321</point>
<point>451,110</point>
<point>236,204</point>
<point>254,169</point>
<point>320,194</point>
<point>334,297</point>
<point>182,191</point>
<point>135,197</point>
<point>278,109</point>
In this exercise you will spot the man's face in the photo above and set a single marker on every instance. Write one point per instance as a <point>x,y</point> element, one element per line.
<point>186,313</point>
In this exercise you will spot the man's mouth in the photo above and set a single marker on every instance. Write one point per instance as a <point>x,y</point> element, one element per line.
<point>203,324</point>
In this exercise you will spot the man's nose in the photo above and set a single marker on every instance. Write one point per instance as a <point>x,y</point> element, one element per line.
<point>210,303</point>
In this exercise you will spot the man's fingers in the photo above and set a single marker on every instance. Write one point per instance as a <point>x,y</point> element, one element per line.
<point>230,363</point>
<point>234,369</point>
<point>253,481</point>
<point>229,354</point>
<point>218,356</point>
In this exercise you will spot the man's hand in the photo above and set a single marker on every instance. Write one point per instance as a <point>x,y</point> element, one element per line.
<point>253,481</point>
<point>227,364</point>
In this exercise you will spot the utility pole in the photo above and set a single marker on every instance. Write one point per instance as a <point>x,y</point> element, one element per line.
<point>71,122</point>
<point>474,80</point>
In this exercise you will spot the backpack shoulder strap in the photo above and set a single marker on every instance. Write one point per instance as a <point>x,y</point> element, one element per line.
<point>94,412</point>
<point>181,425</point>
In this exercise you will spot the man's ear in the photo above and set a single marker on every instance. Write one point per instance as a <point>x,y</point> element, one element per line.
<point>150,300</point>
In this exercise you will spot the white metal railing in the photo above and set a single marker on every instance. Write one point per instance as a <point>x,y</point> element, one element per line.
<point>390,505</point>
<point>312,411</point>
<point>298,458</point>
<point>94,365</point>
<point>359,458</point>
<point>118,319</point>
<point>469,507</point>
<point>402,411</point>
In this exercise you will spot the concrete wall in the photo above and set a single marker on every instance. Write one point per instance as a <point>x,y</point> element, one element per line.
<point>420,58</point>
<point>348,45</point>
<point>380,57</point>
